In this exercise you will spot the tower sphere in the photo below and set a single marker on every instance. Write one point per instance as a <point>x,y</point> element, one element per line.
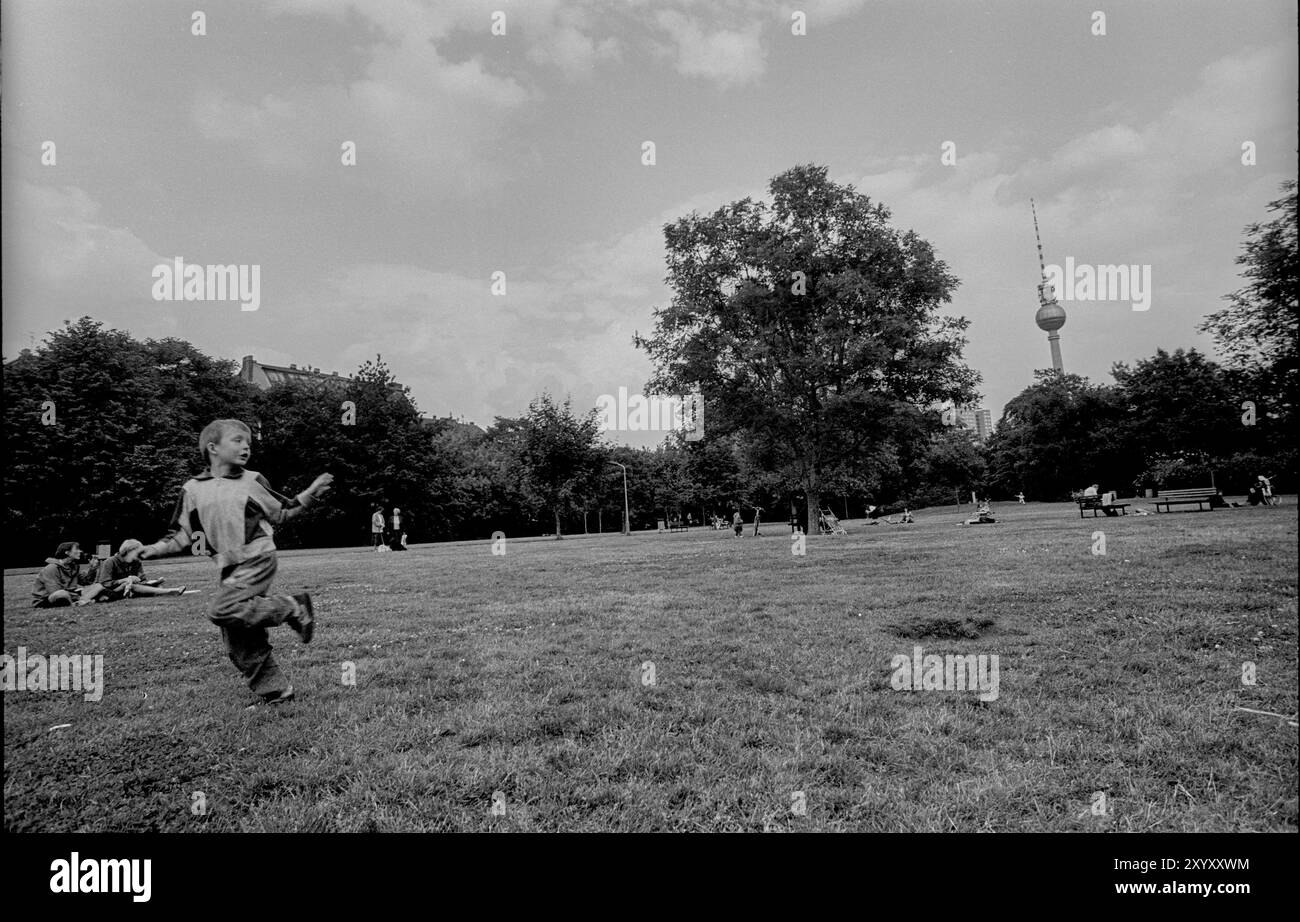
<point>1050,316</point>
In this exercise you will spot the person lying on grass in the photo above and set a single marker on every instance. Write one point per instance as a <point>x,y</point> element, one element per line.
<point>231,510</point>
<point>121,579</point>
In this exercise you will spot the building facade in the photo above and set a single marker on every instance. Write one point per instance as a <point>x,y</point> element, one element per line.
<point>264,377</point>
<point>977,420</point>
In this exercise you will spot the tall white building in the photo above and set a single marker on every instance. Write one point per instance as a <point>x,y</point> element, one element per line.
<point>977,420</point>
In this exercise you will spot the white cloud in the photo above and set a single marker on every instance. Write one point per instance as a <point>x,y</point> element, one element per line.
<point>420,122</point>
<point>732,57</point>
<point>58,245</point>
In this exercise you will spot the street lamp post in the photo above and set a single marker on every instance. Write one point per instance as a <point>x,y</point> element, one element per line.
<point>626,524</point>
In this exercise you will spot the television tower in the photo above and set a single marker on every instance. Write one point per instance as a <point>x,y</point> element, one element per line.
<point>1050,316</point>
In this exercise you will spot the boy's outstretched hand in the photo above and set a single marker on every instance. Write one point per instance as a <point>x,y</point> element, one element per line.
<point>321,484</point>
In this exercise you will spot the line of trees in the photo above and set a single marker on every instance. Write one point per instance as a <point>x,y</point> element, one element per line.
<point>1181,419</point>
<point>103,429</point>
<point>810,326</point>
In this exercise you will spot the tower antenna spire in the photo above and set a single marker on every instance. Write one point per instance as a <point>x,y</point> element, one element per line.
<point>1042,266</point>
<point>1051,316</point>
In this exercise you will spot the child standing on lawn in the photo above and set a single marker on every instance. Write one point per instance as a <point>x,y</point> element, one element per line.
<point>230,510</point>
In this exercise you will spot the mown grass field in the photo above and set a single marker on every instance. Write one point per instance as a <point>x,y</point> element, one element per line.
<point>522,674</point>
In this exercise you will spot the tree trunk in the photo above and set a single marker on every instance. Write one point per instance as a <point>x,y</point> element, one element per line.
<point>814,512</point>
<point>557,524</point>
<point>600,523</point>
<point>584,522</point>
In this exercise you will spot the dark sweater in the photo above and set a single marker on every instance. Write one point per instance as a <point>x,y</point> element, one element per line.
<point>114,569</point>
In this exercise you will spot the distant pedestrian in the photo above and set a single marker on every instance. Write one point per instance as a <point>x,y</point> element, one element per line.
<point>397,538</point>
<point>1021,498</point>
<point>377,529</point>
<point>737,523</point>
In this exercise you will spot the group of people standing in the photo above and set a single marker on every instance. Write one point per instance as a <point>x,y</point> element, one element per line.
<point>390,538</point>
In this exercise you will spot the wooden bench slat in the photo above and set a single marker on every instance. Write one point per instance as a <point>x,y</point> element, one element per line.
<point>1185,497</point>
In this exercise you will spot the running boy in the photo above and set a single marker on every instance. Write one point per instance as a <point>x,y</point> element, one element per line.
<point>230,510</point>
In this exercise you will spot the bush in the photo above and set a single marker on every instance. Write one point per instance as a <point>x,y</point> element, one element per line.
<point>1174,473</point>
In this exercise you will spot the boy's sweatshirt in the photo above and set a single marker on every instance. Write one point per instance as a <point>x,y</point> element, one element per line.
<point>234,513</point>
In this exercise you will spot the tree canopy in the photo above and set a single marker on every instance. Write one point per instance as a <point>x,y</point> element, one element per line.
<point>810,325</point>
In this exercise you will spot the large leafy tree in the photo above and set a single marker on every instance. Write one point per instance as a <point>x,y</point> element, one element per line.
<point>125,418</point>
<point>1178,403</point>
<point>717,471</point>
<point>955,465</point>
<point>377,449</point>
<point>1058,435</point>
<point>810,324</point>
<point>1258,330</point>
<point>559,456</point>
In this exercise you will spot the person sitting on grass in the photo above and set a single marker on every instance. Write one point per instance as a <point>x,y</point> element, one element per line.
<point>121,579</point>
<point>983,516</point>
<point>59,582</point>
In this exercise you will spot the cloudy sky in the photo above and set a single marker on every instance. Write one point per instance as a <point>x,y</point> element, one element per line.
<point>522,153</point>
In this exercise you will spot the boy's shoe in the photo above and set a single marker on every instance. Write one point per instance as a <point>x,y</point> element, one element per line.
<point>283,695</point>
<point>304,620</point>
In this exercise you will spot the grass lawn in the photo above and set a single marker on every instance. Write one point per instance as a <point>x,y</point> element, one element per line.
<point>522,674</point>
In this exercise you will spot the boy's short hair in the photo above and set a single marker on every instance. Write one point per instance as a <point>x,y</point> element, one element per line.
<point>130,544</point>
<point>65,549</point>
<point>215,431</point>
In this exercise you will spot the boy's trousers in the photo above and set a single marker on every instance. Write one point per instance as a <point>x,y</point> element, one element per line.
<point>243,611</point>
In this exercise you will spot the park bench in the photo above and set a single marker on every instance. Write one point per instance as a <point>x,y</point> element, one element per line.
<point>1095,504</point>
<point>1202,496</point>
<point>676,525</point>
